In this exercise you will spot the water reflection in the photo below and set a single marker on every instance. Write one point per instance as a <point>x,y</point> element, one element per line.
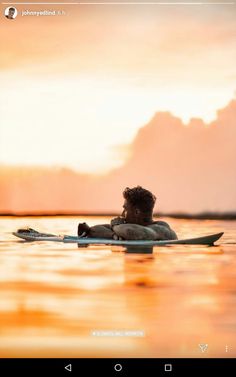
<point>53,295</point>
<point>139,249</point>
<point>81,246</point>
<point>128,249</point>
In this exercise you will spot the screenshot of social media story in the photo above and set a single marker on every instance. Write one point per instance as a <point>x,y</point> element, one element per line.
<point>118,180</point>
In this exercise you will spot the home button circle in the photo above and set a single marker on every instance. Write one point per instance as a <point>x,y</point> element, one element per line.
<point>118,367</point>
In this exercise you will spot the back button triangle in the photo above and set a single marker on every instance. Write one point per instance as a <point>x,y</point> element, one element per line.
<point>68,367</point>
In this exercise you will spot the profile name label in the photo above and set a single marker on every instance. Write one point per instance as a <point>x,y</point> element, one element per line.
<point>45,12</point>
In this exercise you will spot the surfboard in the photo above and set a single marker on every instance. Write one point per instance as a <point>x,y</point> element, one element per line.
<point>32,235</point>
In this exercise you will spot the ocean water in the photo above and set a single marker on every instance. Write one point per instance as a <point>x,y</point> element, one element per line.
<point>61,300</point>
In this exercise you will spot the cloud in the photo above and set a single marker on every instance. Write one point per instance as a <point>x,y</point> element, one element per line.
<point>190,168</point>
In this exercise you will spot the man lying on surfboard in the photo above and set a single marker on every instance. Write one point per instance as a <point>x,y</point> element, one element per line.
<point>136,221</point>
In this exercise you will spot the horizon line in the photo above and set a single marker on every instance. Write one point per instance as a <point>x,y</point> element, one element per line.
<point>228,215</point>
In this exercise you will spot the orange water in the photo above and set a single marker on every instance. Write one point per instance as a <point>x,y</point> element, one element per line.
<point>53,296</point>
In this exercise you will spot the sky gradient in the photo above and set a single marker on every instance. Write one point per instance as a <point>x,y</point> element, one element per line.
<point>76,92</point>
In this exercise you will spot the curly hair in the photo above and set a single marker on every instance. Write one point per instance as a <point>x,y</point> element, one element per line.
<point>141,198</point>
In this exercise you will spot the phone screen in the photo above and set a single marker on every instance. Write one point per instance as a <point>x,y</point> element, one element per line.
<point>117,176</point>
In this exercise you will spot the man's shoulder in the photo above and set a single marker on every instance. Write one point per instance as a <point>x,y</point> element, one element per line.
<point>162,223</point>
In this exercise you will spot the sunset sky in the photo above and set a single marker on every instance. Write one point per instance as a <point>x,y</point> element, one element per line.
<point>76,89</point>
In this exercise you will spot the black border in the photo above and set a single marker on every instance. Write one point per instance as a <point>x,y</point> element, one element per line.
<point>106,367</point>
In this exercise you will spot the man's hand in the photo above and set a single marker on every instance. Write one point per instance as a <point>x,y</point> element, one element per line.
<point>83,229</point>
<point>117,221</point>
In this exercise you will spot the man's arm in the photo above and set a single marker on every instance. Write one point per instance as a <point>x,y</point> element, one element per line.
<point>163,231</point>
<point>134,232</point>
<point>96,231</point>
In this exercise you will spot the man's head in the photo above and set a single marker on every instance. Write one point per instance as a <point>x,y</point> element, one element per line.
<point>11,13</point>
<point>138,205</point>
